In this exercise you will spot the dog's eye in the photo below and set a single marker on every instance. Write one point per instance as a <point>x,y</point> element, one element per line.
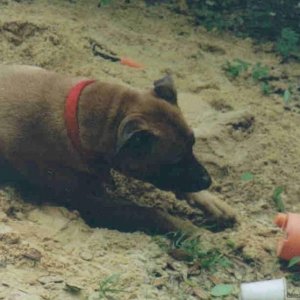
<point>140,143</point>
<point>139,139</point>
<point>136,140</point>
<point>177,158</point>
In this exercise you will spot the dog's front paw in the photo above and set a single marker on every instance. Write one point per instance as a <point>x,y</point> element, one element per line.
<point>215,207</point>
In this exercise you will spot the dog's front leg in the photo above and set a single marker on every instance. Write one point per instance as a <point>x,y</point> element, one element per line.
<point>214,206</point>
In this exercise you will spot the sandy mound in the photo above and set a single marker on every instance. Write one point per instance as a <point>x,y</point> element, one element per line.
<point>48,252</point>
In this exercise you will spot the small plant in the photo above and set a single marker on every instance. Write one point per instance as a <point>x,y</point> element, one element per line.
<point>103,2</point>
<point>161,241</point>
<point>235,68</point>
<point>247,176</point>
<point>277,198</point>
<point>106,286</point>
<point>260,72</point>
<point>287,44</point>
<point>208,259</point>
<point>266,88</point>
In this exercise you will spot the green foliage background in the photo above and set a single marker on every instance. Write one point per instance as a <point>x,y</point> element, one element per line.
<point>261,19</point>
<point>264,20</point>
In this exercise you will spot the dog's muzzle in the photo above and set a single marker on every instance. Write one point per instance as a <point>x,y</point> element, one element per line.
<point>187,176</point>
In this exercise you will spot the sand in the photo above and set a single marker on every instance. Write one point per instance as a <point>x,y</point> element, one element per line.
<point>49,252</point>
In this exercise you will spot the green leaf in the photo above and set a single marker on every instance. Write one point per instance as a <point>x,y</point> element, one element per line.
<point>294,261</point>
<point>104,2</point>
<point>236,67</point>
<point>221,290</point>
<point>286,96</point>
<point>247,176</point>
<point>260,72</point>
<point>277,198</point>
<point>265,88</point>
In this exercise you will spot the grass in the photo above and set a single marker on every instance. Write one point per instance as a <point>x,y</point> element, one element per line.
<point>277,199</point>
<point>287,44</point>
<point>235,68</point>
<point>260,75</point>
<point>180,247</point>
<point>260,72</point>
<point>107,286</point>
<point>266,88</point>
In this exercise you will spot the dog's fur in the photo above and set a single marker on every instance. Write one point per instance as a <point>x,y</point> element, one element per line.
<point>141,134</point>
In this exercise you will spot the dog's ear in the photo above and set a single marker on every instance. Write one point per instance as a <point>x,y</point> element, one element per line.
<point>134,135</point>
<point>164,88</point>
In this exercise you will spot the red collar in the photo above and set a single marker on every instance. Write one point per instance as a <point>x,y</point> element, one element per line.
<point>71,117</point>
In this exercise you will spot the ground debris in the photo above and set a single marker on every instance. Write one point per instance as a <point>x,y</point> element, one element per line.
<point>33,254</point>
<point>50,279</point>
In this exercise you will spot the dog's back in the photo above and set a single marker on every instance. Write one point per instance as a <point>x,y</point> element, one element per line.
<point>32,128</point>
<point>20,100</point>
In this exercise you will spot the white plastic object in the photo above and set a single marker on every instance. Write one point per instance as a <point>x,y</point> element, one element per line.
<point>264,290</point>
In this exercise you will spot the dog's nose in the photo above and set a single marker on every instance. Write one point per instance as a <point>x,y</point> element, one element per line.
<point>197,177</point>
<point>207,179</point>
<point>198,184</point>
<point>206,182</point>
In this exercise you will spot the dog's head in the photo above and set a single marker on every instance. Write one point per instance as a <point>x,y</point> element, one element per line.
<point>155,144</point>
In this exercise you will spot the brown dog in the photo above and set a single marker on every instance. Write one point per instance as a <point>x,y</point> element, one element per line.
<point>141,134</point>
<point>65,134</point>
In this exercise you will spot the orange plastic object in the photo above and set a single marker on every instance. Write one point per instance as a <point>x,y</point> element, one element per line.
<point>130,63</point>
<point>289,246</point>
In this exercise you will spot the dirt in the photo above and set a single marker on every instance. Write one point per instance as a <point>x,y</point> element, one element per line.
<point>49,252</point>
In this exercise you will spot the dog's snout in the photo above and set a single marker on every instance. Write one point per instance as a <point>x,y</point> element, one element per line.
<point>196,184</point>
<point>187,176</point>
